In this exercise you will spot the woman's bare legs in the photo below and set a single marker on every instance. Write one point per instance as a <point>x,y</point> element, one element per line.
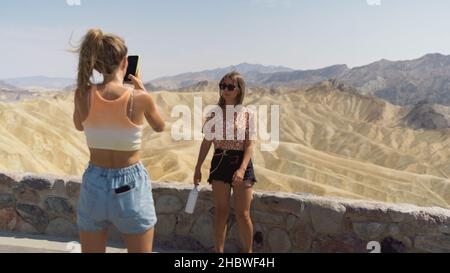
<point>93,242</point>
<point>139,243</point>
<point>243,195</point>
<point>221,194</point>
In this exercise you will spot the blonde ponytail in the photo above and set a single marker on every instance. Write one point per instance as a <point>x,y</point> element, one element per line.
<point>102,52</point>
<point>91,45</point>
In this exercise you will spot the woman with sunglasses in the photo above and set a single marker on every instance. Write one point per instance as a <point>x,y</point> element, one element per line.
<point>231,165</point>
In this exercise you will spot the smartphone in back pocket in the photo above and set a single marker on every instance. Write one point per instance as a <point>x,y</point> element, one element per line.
<point>123,189</point>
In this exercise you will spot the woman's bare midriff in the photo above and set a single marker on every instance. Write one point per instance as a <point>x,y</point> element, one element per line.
<point>113,159</point>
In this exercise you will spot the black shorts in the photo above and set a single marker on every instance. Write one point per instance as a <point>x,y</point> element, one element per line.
<point>225,163</point>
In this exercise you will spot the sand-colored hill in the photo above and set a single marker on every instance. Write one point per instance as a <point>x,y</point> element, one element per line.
<point>333,142</point>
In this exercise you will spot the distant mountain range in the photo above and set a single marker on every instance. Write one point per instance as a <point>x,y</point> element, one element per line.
<point>399,82</point>
<point>40,83</point>
<point>252,73</point>
<point>404,82</point>
<point>7,95</point>
<point>427,115</point>
<point>423,115</point>
<point>6,86</point>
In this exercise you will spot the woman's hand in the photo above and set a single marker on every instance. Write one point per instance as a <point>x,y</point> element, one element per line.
<point>137,82</point>
<point>197,176</point>
<point>238,177</point>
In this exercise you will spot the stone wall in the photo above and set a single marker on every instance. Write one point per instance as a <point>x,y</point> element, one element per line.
<point>282,222</point>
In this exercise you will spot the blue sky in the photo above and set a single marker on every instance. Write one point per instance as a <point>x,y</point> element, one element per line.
<point>176,36</point>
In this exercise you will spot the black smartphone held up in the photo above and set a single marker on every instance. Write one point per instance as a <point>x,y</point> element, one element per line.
<point>133,67</point>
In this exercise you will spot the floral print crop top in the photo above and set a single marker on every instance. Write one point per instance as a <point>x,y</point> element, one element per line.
<point>230,139</point>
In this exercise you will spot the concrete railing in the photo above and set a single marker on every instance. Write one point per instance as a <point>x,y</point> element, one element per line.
<point>38,204</point>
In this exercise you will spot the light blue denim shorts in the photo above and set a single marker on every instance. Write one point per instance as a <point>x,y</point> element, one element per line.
<point>121,197</point>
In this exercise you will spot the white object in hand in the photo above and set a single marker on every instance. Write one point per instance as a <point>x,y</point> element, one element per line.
<point>192,200</point>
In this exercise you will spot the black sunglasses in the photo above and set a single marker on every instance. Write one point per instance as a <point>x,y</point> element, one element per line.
<point>229,87</point>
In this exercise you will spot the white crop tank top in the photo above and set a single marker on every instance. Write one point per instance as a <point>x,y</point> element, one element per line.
<point>108,126</point>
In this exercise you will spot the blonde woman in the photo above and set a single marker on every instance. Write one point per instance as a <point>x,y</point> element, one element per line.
<point>116,187</point>
<point>231,165</point>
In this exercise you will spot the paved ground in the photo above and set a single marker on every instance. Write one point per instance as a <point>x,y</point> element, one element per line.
<point>19,243</point>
